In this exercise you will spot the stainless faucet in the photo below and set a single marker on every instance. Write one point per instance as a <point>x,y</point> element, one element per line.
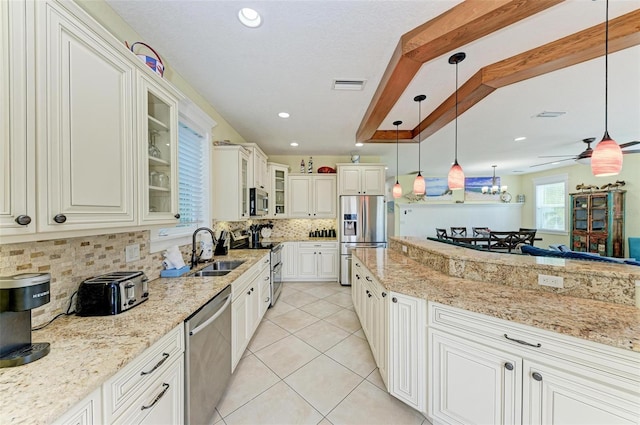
<point>194,257</point>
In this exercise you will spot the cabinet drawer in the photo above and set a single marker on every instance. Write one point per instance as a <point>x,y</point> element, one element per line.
<point>318,245</point>
<point>121,390</point>
<point>598,358</point>
<point>161,402</point>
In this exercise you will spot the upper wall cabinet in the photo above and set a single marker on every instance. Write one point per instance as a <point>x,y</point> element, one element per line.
<point>361,179</point>
<point>159,167</point>
<point>278,207</point>
<point>312,195</point>
<point>230,170</point>
<point>85,129</point>
<point>258,170</point>
<point>17,139</point>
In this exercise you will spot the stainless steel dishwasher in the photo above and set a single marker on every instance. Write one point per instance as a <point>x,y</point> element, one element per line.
<point>207,358</point>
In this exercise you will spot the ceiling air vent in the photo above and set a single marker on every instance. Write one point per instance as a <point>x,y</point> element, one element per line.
<point>348,84</point>
<point>549,114</point>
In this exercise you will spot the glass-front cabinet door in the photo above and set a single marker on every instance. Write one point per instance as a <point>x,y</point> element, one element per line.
<point>244,184</point>
<point>277,194</point>
<point>158,135</point>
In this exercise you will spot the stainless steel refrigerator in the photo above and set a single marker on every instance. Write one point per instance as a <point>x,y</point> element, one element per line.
<point>363,224</point>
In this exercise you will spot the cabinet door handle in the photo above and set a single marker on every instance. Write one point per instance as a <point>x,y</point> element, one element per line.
<point>357,276</point>
<point>60,218</point>
<point>519,341</point>
<point>177,216</point>
<point>248,292</point>
<point>23,220</point>
<point>536,376</point>
<point>368,279</point>
<point>357,264</point>
<point>508,366</point>
<point>394,299</point>
<point>158,397</point>
<point>369,294</point>
<point>267,277</point>
<point>165,356</point>
<point>384,294</point>
<point>266,261</point>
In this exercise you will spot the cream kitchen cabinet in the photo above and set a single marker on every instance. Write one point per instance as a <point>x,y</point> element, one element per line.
<point>407,350</point>
<point>290,261</point>
<point>158,110</point>
<point>370,302</point>
<point>258,170</point>
<point>488,370</point>
<point>312,196</point>
<point>85,128</point>
<point>86,412</point>
<point>278,187</point>
<point>230,169</point>
<point>248,306</point>
<point>317,261</point>
<point>361,179</point>
<point>17,138</point>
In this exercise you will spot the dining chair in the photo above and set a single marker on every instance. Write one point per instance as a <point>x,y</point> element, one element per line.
<point>502,241</point>
<point>459,231</point>
<point>526,236</point>
<point>480,231</point>
<point>441,233</point>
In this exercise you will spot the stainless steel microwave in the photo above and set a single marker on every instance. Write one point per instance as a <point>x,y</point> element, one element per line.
<point>258,202</point>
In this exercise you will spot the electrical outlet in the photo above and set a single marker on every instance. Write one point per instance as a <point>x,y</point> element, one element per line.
<point>553,281</point>
<point>404,248</point>
<point>132,253</point>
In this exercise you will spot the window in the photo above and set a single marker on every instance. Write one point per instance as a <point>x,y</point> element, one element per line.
<point>194,136</point>
<point>551,203</point>
<point>192,178</point>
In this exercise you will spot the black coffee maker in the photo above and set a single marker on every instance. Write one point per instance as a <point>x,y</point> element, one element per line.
<point>19,295</point>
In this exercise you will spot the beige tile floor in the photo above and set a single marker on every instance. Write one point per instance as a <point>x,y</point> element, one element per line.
<point>309,363</point>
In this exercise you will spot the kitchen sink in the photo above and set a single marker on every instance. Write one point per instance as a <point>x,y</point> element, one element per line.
<point>204,273</point>
<point>224,265</point>
<point>219,268</point>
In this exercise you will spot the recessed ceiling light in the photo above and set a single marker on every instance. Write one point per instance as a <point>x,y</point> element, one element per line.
<point>249,17</point>
<point>359,144</point>
<point>294,144</point>
<point>284,115</point>
<point>519,139</point>
<point>386,168</point>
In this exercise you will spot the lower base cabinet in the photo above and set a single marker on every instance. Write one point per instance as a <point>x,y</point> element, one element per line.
<point>248,306</point>
<point>310,261</point>
<point>484,370</point>
<point>407,350</point>
<point>87,412</point>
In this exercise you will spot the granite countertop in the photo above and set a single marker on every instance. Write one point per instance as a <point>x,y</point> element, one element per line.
<point>87,351</point>
<point>607,323</point>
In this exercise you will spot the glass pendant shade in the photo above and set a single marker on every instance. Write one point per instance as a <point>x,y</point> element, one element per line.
<point>397,190</point>
<point>606,159</point>
<point>456,177</point>
<point>419,185</point>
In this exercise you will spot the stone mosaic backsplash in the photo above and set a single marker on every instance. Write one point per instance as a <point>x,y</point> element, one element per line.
<point>290,229</point>
<point>70,261</point>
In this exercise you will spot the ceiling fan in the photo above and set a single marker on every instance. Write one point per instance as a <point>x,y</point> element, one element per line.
<point>584,157</point>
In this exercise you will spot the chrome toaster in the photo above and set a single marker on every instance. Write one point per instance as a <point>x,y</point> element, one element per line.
<point>112,293</point>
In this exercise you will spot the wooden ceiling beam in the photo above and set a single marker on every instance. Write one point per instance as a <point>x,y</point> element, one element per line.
<point>624,32</point>
<point>458,26</point>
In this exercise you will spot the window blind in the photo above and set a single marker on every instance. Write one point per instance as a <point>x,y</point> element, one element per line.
<point>191,175</point>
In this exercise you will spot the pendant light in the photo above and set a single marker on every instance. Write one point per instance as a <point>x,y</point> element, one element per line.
<point>456,175</point>
<point>397,189</point>
<point>419,186</point>
<point>606,159</point>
